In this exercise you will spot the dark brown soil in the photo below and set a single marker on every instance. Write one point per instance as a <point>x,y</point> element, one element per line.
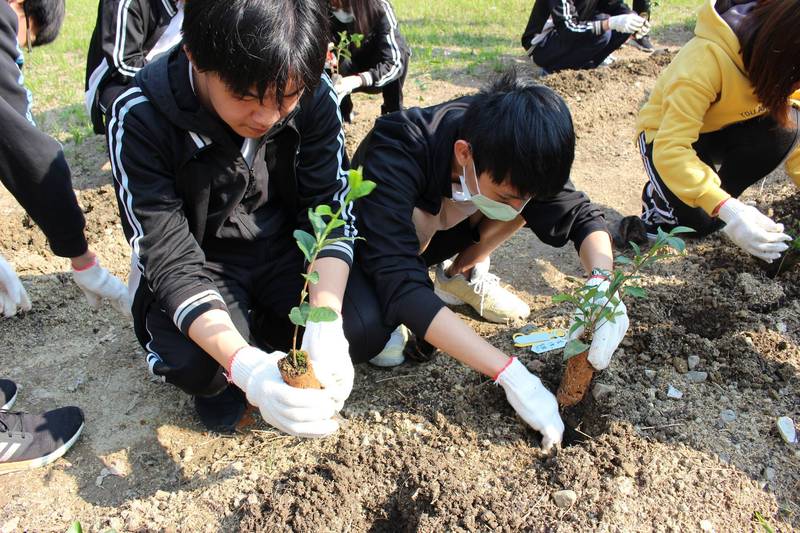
<point>578,374</point>
<point>299,375</point>
<point>434,446</point>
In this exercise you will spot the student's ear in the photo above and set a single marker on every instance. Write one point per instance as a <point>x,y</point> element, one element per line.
<point>188,54</point>
<point>462,152</point>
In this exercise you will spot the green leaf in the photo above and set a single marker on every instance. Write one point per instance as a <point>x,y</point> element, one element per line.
<point>622,260</point>
<point>577,324</point>
<point>324,210</point>
<point>299,315</point>
<point>635,292</point>
<point>312,277</point>
<point>322,314</point>
<point>573,348</point>
<point>681,229</point>
<point>636,249</point>
<point>360,190</point>
<point>75,527</point>
<point>317,223</point>
<point>560,298</point>
<point>676,243</point>
<point>306,242</point>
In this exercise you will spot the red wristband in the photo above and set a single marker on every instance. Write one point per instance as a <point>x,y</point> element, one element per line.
<point>229,371</point>
<point>715,212</point>
<point>504,367</point>
<point>87,267</point>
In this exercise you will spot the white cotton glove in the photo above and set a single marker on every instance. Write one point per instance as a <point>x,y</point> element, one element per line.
<point>346,85</point>
<point>329,352</point>
<point>97,284</point>
<point>533,402</point>
<point>299,412</point>
<point>12,294</point>
<point>753,231</point>
<point>607,335</point>
<point>630,23</point>
<point>644,30</point>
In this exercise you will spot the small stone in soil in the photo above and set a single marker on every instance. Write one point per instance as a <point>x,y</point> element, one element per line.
<point>535,366</point>
<point>680,365</point>
<point>696,377</point>
<point>564,498</point>
<point>786,429</point>
<point>692,361</point>
<point>706,525</point>
<point>674,393</point>
<point>649,374</point>
<point>769,473</point>
<point>728,415</point>
<point>602,392</point>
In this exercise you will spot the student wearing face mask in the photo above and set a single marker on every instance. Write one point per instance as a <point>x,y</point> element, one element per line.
<point>458,179</point>
<point>380,63</point>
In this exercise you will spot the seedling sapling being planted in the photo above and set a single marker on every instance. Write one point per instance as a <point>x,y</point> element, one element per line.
<point>295,368</point>
<point>342,50</point>
<point>595,306</point>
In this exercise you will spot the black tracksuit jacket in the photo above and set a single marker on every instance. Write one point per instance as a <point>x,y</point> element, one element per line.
<point>380,58</point>
<point>409,154</point>
<point>125,32</point>
<point>570,17</point>
<point>32,164</point>
<point>181,179</point>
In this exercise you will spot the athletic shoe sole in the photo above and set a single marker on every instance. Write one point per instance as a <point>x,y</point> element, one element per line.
<point>10,402</point>
<point>448,298</point>
<point>6,468</point>
<point>638,46</point>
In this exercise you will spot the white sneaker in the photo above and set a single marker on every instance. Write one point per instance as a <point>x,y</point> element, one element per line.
<point>392,353</point>
<point>482,292</point>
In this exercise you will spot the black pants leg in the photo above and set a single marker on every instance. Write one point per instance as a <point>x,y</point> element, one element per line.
<point>176,358</point>
<point>742,153</point>
<point>561,51</point>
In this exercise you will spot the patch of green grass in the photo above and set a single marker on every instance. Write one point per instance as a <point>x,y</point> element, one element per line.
<point>448,37</point>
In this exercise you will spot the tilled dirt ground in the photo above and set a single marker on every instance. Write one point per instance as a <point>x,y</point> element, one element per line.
<point>436,447</point>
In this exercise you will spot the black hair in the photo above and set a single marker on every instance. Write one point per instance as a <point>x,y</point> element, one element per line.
<point>258,44</point>
<point>47,16</point>
<point>366,13</point>
<point>522,131</point>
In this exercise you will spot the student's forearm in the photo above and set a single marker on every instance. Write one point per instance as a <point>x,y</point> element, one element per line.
<point>214,332</point>
<point>596,252</point>
<point>329,292</point>
<point>451,335</point>
<point>493,233</point>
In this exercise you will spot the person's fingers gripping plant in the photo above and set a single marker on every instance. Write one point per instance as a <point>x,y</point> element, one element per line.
<point>599,317</point>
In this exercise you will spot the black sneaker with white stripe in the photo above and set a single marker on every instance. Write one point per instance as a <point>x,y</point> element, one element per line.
<point>30,441</point>
<point>8,393</point>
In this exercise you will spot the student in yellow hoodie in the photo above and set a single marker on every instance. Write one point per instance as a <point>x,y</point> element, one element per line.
<point>722,116</point>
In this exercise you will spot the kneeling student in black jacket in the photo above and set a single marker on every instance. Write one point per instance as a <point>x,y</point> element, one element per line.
<point>380,63</point>
<point>218,149</point>
<point>460,178</point>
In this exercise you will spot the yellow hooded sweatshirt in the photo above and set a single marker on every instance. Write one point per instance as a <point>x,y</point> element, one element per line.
<point>704,89</point>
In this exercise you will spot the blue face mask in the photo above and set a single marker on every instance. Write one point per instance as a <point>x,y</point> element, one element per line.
<point>490,208</point>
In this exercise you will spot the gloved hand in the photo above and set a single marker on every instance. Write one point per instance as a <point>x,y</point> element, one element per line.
<point>299,412</point>
<point>752,231</point>
<point>12,293</point>
<point>330,58</point>
<point>97,283</point>
<point>629,23</point>
<point>330,353</point>
<point>533,402</point>
<point>607,335</point>
<point>346,85</point>
<point>645,29</point>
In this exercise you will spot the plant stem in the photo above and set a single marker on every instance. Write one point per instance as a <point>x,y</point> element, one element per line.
<point>304,293</point>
